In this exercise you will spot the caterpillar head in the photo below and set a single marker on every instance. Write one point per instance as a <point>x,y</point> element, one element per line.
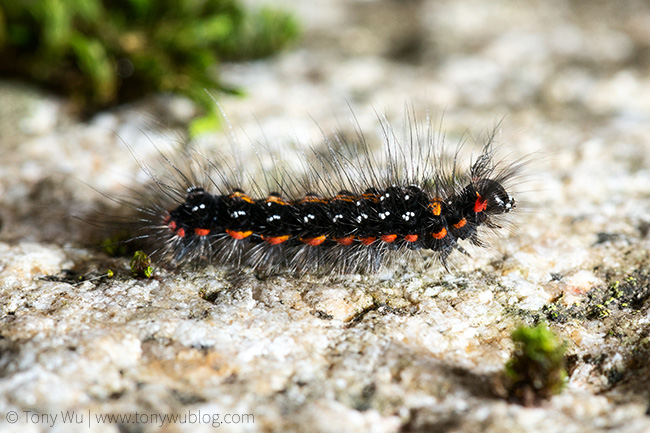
<point>497,200</point>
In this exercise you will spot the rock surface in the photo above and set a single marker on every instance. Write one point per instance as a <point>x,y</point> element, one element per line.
<point>400,351</point>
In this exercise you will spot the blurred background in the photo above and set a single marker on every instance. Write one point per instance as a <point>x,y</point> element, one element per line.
<point>566,58</point>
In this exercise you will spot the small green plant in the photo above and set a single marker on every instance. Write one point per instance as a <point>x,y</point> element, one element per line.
<point>116,246</point>
<point>103,52</point>
<point>536,371</point>
<point>141,265</point>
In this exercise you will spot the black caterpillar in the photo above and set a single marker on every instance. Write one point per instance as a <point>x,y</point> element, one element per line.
<point>350,217</point>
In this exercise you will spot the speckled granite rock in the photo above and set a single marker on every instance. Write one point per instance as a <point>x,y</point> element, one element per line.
<point>402,351</point>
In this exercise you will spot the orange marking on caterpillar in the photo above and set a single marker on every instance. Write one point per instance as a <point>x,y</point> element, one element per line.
<point>202,232</point>
<point>345,197</point>
<point>411,238</point>
<point>241,195</point>
<point>275,240</point>
<point>480,204</point>
<point>460,224</point>
<point>367,241</point>
<point>180,233</point>
<point>239,235</point>
<point>388,238</point>
<point>370,196</point>
<point>172,225</point>
<point>276,199</point>
<point>441,234</point>
<point>435,207</point>
<point>314,241</point>
<point>313,199</point>
<point>345,241</point>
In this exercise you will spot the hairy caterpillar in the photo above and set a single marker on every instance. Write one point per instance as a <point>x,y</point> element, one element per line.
<point>352,211</point>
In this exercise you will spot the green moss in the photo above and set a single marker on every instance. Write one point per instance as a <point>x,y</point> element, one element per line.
<point>536,370</point>
<point>103,53</point>
<point>621,292</point>
<point>141,265</point>
<point>116,246</point>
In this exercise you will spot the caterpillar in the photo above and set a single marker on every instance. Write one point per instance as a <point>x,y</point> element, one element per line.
<point>352,211</point>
